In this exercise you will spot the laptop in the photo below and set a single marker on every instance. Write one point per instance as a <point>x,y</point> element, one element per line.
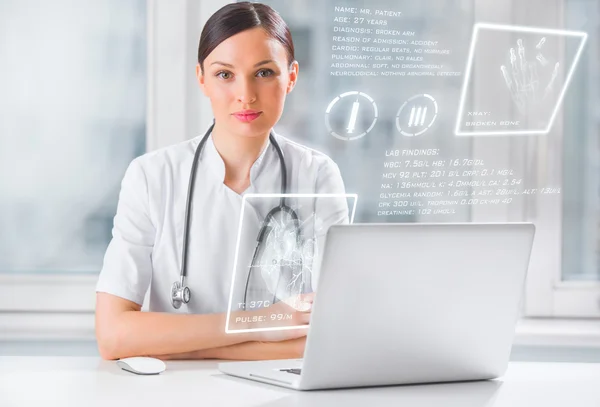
<point>408,303</point>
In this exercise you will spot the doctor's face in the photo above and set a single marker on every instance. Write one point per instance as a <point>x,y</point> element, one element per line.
<point>247,78</point>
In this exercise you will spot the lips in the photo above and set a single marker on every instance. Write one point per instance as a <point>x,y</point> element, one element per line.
<point>247,116</point>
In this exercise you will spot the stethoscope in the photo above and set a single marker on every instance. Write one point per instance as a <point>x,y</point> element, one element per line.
<point>180,292</point>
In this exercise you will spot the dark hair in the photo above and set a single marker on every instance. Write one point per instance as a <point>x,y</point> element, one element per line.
<point>237,17</point>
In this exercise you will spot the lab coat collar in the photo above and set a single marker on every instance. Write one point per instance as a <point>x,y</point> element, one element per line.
<point>217,165</point>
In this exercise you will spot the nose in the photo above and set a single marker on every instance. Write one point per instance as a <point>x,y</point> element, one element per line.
<point>246,92</point>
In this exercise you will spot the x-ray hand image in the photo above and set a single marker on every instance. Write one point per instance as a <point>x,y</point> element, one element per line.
<point>516,79</point>
<point>523,79</point>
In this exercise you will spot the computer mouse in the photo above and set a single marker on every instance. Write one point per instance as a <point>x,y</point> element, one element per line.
<point>142,365</point>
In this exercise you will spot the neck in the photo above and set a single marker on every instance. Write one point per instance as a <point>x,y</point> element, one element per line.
<point>238,152</point>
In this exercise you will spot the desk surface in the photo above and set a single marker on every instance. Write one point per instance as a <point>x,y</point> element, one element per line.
<point>73,381</point>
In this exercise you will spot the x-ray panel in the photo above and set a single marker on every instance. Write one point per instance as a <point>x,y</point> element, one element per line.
<point>516,78</point>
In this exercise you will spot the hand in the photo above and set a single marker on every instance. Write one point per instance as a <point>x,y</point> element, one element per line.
<point>293,311</point>
<point>523,80</point>
<point>298,308</point>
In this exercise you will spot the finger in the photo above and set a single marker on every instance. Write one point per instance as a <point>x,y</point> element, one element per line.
<point>515,84</point>
<point>550,86</point>
<point>300,301</point>
<point>507,79</point>
<point>304,318</point>
<point>540,57</point>
<point>304,307</point>
<point>533,72</point>
<point>542,60</point>
<point>554,75</point>
<point>541,43</point>
<point>283,334</point>
<point>295,333</point>
<point>308,297</point>
<point>509,83</point>
<point>523,64</point>
<point>534,80</point>
<point>296,303</point>
<point>521,53</point>
<point>513,62</point>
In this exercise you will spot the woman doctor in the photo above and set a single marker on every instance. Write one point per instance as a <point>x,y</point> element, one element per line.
<point>246,67</point>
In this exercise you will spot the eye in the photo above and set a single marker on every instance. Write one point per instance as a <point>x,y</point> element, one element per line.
<point>264,73</point>
<point>223,74</point>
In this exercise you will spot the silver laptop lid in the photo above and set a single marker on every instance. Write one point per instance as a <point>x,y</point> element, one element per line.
<point>407,303</point>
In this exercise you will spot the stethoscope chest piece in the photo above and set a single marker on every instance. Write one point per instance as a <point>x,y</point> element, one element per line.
<point>179,294</point>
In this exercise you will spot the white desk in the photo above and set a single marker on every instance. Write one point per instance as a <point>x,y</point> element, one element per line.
<point>81,381</point>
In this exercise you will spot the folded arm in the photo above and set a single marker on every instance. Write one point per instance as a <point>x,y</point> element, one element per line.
<point>122,330</point>
<point>253,350</point>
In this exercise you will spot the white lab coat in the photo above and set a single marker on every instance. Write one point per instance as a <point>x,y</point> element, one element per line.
<point>147,237</point>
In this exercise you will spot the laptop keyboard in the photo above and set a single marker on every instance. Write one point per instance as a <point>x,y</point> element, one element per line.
<point>293,371</point>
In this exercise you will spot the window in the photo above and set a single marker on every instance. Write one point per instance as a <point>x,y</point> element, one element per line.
<point>73,106</point>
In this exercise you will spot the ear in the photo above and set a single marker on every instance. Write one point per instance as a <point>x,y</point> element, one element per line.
<point>200,78</point>
<point>293,76</point>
